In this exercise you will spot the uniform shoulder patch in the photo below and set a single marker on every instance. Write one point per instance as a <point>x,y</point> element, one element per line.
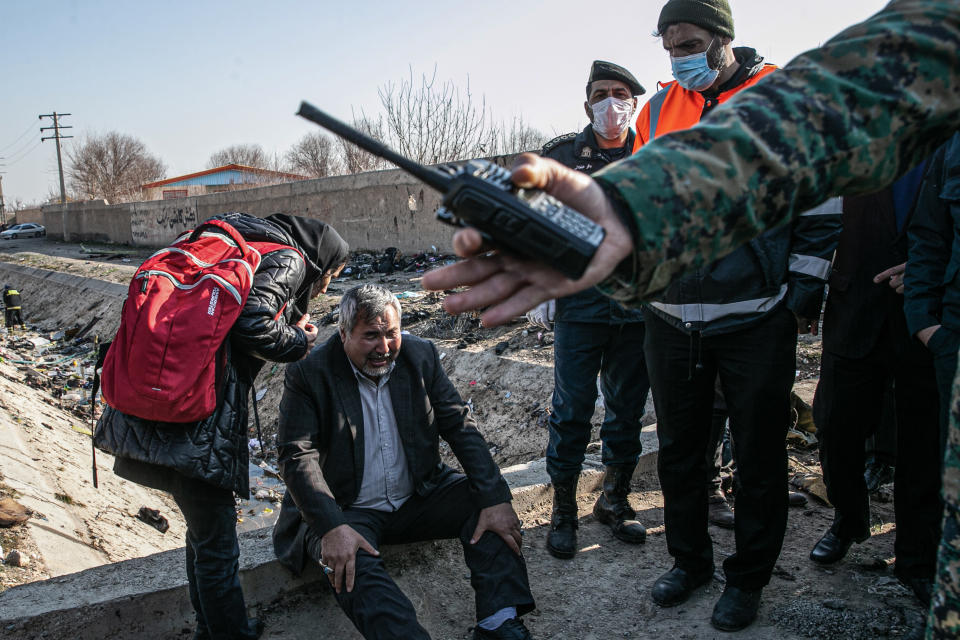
<point>556,142</point>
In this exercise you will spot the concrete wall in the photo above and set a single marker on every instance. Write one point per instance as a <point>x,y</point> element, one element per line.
<point>370,210</point>
<point>27,215</point>
<point>91,221</point>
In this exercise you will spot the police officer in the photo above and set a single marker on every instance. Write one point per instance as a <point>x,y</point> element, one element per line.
<point>595,335</point>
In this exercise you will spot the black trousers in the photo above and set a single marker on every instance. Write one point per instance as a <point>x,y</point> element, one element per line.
<point>13,317</point>
<point>581,351</point>
<point>756,368</point>
<point>943,344</point>
<point>848,407</point>
<point>379,609</point>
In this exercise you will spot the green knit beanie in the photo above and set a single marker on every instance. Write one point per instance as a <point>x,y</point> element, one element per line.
<point>713,15</point>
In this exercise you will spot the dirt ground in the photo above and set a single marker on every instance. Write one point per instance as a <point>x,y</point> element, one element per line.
<point>505,373</point>
<point>604,591</point>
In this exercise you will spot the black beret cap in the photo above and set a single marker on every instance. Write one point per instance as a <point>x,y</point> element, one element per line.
<point>602,70</point>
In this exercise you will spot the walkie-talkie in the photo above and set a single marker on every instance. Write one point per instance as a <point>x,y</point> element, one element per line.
<point>480,194</point>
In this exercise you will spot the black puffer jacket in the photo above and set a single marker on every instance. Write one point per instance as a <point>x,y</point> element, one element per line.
<point>214,450</point>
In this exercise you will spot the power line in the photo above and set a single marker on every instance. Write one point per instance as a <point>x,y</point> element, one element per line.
<point>14,161</point>
<point>26,144</point>
<point>19,138</point>
<point>56,136</point>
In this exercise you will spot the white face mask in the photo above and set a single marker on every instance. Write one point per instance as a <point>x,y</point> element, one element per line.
<point>611,117</point>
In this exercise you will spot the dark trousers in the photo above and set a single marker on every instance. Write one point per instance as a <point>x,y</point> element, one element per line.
<point>943,345</point>
<point>718,473</point>
<point>379,609</point>
<point>581,351</point>
<point>882,443</point>
<point>847,407</point>
<point>13,317</point>
<point>213,567</point>
<point>756,368</point>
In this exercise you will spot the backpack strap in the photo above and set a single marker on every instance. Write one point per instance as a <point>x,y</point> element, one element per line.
<point>223,227</point>
<point>101,356</point>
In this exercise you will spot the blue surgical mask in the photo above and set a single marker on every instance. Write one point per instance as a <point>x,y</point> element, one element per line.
<point>693,72</point>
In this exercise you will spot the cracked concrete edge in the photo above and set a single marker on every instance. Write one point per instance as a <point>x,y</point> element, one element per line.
<point>70,280</point>
<point>147,597</point>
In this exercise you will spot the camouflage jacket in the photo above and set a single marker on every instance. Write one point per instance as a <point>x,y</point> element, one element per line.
<point>847,118</point>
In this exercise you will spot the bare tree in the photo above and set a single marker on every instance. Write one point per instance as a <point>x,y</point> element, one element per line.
<point>516,137</point>
<point>434,122</point>
<point>112,166</point>
<point>249,155</point>
<point>315,155</point>
<point>355,159</point>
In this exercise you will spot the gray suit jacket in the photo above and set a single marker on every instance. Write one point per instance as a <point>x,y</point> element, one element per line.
<point>320,439</point>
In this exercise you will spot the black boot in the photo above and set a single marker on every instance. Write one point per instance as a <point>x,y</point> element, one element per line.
<point>613,508</point>
<point>562,538</point>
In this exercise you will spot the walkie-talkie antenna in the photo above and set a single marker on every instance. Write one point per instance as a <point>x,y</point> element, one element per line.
<point>432,177</point>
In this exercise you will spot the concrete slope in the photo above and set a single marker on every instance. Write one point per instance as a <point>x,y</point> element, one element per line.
<point>45,456</point>
<point>64,299</point>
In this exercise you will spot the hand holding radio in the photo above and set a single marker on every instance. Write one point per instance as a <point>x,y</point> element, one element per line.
<point>509,286</point>
<point>544,248</point>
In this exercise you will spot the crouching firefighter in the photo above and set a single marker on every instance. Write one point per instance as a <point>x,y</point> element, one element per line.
<point>200,319</point>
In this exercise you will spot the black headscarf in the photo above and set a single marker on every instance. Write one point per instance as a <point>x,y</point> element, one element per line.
<point>320,243</point>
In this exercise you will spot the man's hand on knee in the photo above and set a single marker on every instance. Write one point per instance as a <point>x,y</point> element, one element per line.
<point>502,520</point>
<point>338,549</point>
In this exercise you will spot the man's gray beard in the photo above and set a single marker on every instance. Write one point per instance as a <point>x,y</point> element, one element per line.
<point>376,372</point>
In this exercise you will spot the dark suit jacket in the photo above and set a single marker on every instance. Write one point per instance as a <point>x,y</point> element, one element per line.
<point>857,308</point>
<point>321,438</point>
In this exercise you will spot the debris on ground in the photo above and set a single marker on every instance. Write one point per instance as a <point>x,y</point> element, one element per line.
<point>16,559</point>
<point>811,483</point>
<point>154,518</point>
<point>12,512</point>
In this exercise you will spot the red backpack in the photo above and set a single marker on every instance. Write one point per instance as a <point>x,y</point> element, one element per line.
<point>166,361</point>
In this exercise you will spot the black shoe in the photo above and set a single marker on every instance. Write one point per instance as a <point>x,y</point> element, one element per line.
<point>613,508</point>
<point>735,609</point>
<point>676,585</point>
<point>562,537</point>
<point>922,588</point>
<point>830,548</point>
<point>511,629</point>
<point>796,499</point>
<point>720,513</point>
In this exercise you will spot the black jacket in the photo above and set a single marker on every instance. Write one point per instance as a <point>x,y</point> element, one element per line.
<point>858,308</point>
<point>579,151</point>
<point>787,265</point>
<point>214,450</point>
<point>932,279</point>
<point>321,438</point>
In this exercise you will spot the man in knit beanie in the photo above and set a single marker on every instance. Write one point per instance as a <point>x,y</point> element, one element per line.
<point>731,325</point>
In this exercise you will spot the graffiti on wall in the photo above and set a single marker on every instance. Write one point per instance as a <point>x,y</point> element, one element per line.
<point>176,218</point>
<point>158,223</point>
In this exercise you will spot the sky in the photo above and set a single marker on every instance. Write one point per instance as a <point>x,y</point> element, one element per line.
<point>190,78</point>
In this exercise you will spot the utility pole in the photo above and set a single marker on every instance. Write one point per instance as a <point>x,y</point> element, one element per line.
<point>56,136</point>
<point>3,216</point>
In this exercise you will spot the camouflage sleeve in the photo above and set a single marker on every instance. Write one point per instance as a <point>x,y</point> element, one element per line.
<point>843,119</point>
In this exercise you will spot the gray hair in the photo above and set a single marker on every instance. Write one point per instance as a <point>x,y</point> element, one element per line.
<point>367,301</point>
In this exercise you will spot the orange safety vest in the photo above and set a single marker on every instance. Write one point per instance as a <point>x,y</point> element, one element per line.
<point>674,108</point>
